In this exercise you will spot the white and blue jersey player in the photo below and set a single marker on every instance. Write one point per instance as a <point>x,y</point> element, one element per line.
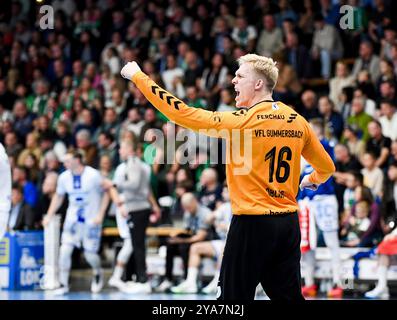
<point>83,222</point>
<point>5,190</point>
<point>323,208</point>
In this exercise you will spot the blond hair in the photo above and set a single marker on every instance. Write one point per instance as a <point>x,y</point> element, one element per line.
<point>264,66</point>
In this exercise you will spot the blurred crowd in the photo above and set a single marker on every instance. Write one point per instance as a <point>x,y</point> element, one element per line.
<point>60,89</point>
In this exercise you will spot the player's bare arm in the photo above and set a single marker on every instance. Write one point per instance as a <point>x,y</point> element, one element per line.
<point>56,202</point>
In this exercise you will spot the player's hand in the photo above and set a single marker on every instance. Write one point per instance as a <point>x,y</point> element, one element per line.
<point>46,220</point>
<point>305,183</point>
<point>129,70</point>
<point>97,220</point>
<point>156,215</point>
<point>157,211</point>
<point>123,211</point>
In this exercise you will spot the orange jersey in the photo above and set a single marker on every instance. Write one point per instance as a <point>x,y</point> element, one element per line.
<point>263,169</point>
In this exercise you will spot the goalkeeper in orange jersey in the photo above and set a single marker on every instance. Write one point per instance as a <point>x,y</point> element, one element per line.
<point>263,243</point>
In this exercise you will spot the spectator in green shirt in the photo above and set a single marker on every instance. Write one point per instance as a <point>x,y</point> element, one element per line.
<point>192,98</point>
<point>359,117</point>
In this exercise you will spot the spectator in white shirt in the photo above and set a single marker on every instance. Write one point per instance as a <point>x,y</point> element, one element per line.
<point>172,77</point>
<point>341,80</point>
<point>214,79</point>
<point>388,119</point>
<point>134,122</point>
<point>327,45</point>
<point>244,35</point>
<point>373,175</point>
<point>117,43</point>
<point>390,37</point>
<point>367,61</point>
<point>271,37</point>
<point>113,60</point>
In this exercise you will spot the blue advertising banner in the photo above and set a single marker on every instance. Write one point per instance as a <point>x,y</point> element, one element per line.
<point>21,260</point>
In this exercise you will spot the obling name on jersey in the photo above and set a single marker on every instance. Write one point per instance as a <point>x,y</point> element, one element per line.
<point>260,133</point>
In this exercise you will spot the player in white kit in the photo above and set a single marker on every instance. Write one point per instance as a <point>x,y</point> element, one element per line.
<point>322,205</point>
<point>84,217</point>
<point>5,190</point>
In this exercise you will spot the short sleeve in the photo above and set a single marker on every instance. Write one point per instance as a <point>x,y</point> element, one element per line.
<point>98,180</point>
<point>118,175</point>
<point>61,185</point>
<point>202,224</point>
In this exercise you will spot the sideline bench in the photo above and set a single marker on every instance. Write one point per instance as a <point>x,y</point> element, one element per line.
<point>323,270</point>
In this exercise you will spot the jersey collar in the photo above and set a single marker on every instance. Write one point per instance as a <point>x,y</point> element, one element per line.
<point>260,103</point>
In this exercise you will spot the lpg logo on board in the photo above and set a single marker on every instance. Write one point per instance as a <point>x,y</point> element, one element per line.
<point>29,271</point>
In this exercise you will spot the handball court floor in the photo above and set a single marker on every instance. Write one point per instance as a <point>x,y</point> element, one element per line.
<point>80,290</point>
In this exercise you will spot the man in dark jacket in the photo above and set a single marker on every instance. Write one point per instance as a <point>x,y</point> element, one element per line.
<point>22,216</point>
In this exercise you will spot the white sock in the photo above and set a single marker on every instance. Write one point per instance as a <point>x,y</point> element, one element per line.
<point>192,275</point>
<point>215,279</point>
<point>332,242</point>
<point>94,261</point>
<point>310,261</point>
<point>382,274</point>
<point>65,264</point>
<point>118,272</point>
<point>335,261</point>
<point>64,277</point>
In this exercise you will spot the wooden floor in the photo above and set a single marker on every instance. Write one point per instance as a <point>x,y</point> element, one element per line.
<point>80,286</point>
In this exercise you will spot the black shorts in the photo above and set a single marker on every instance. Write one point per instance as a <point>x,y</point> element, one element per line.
<point>262,249</point>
